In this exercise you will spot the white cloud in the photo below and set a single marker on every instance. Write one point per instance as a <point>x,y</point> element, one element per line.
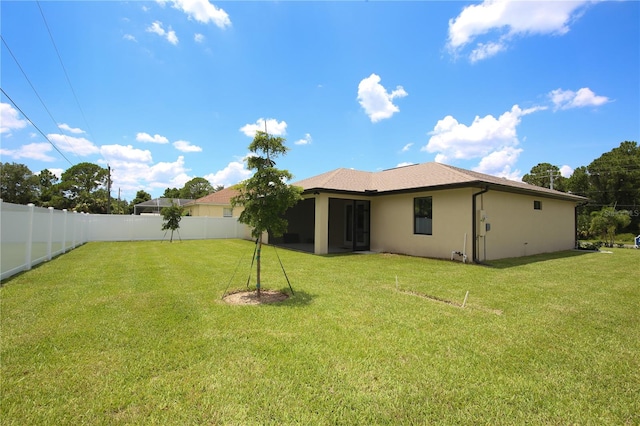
<point>164,171</point>
<point>164,174</point>
<point>186,146</point>
<point>170,35</point>
<point>119,153</point>
<point>32,151</point>
<point>204,12</point>
<point>567,99</point>
<point>375,100</point>
<point>498,21</point>
<point>455,140</point>
<point>407,147</point>
<point>484,51</point>
<point>10,119</point>
<point>70,129</point>
<point>494,140</point>
<point>129,37</point>
<point>499,163</point>
<point>132,170</point>
<point>234,172</point>
<point>274,127</point>
<point>566,171</point>
<point>304,141</point>
<point>405,163</point>
<point>146,137</point>
<point>198,38</point>
<point>77,146</point>
<point>57,172</point>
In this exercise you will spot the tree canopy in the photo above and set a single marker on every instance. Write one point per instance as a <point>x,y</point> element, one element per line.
<point>171,218</point>
<point>17,184</point>
<point>171,193</point>
<point>84,185</point>
<point>611,180</point>
<point>196,188</point>
<point>266,195</point>
<point>141,197</point>
<point>546,175</point>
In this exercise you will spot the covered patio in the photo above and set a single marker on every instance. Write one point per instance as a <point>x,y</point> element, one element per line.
<point>321,224</point>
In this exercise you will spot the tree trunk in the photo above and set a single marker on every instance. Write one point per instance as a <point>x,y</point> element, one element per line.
<point>258,249</point>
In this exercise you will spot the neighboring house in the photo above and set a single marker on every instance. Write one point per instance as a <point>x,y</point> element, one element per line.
<point>217,204</point>
<point>157,204</point>
<point>430,210</point>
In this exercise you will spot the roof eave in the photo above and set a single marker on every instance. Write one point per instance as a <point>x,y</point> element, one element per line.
<point>472,184</point>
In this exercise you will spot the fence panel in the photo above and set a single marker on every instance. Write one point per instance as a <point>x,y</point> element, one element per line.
<point>14,226</point>
<point>30,235</point>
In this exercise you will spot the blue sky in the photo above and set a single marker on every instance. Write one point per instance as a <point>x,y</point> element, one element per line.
<point>164,91</point>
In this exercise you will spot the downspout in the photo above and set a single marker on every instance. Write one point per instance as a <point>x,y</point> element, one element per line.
<point>473,223</point>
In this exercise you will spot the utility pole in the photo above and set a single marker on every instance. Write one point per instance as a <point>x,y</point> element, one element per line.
<point>119,206</point>
<point>551,176</point>
<point>108,189</point>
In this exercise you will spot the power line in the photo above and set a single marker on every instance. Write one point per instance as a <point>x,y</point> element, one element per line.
<point>63,68</point>
<point>34,125</point>
<point>36,92</point>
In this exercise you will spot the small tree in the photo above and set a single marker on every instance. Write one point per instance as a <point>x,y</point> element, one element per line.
<point>171,218</point>
<point>265,196</point>
<point>607,221</point>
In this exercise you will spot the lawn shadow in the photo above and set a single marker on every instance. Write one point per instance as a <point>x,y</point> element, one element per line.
<point>298,299</point>
<point>542,257</point>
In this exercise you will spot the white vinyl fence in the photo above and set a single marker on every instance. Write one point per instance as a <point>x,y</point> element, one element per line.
<point>30,235</point>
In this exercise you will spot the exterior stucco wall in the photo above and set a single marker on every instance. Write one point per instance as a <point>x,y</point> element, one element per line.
<point>211,210</point>
<point>392,223</point>
<point>517,229</point>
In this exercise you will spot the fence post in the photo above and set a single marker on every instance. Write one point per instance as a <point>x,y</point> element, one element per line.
<point>27,259</point>
<point>75,226</point>
<point>64,231</point>
<point>82,227</point>
<point>50,242</point>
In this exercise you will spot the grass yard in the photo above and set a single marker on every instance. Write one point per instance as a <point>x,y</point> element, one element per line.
<point>136,333</point>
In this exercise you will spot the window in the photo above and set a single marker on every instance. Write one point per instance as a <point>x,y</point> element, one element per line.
<point>227,212</point>
<point>537,205</point>
<point>422,214</point>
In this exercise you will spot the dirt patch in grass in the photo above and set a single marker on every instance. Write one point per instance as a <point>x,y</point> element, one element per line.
<point>448,302</point>
<point>251,297</point>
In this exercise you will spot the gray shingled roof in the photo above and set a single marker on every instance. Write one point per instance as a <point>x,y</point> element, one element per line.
<point>418,177</point>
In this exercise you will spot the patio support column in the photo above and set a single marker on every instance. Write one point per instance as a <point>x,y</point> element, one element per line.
<point>321,232</point>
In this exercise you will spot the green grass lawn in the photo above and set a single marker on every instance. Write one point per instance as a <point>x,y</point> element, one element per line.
<point>136,333</point>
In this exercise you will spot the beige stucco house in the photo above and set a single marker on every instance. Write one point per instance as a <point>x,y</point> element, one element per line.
<point>431,210</point>
<point>217,204</point>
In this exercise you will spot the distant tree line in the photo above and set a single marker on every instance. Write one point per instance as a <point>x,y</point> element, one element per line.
<point>611,182</point>
<point>82,188</point>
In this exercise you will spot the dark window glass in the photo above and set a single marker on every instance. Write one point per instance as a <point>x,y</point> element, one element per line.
<point>422,215</point>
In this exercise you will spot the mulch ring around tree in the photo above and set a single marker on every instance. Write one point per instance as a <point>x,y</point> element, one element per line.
<point>251,297</point>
